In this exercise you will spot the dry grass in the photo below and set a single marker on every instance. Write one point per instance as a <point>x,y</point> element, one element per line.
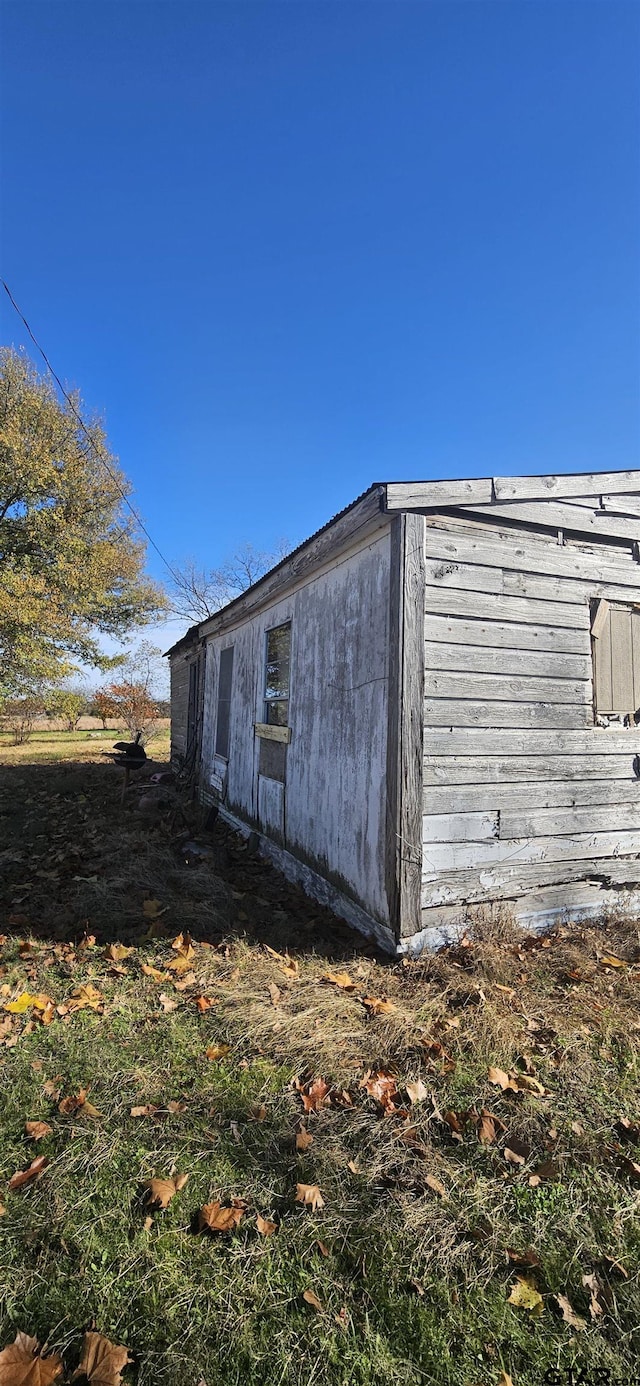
<point>416,1281</point>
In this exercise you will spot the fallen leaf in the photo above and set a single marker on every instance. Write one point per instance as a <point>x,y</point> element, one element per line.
<point>22,1365</point>
<point>70,1104</point>
<point>217,1218</point>
<point>524,1295</point>
<point>37,1130</point>
<point>265,1227</point>
<point>147,1111</point>
<point>598,1295</point>
<point>184,946</point>
<point>310,1298</point>
<point>85,997</point>
<point>609,960</point>
<point>615,1267</point>
<point>340,979</point>
<point>303,1138</point>
<point>26,1002</point>
<point>416,1092</point>
<point>568,1312</point>
<point>548,1170</point>
<point>627,1131</point>
<point>154,972</point>
<point>25,1176</point>
<point>523,1258</point>
<point>257,1112</point>
<point>501,1079</point>
<point>176,1108</point>
<point>489,1126</point>
<point>180,964</point>
<point>310,1195</point>
<point>314,1095</point>
<point>102,1362</point>
<point>455,1122</point>
<point>185,982</point>
<point>168,1003</point>
<point>516,1152</point>
<point>161,1191</point>
<point>53,1087</point>
<point>116,952</point>
<point>204,1003</point>
<point>375,1005</point>
<point>382,1086</point>
<point>435,1185</point>
<point>218,1051</point>
<point>275,993</point>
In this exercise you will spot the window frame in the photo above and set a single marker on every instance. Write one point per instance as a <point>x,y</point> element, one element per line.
<point>224,702</point>
<point>269,702</point>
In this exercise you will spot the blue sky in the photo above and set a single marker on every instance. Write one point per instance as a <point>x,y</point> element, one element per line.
<point>292,248</point>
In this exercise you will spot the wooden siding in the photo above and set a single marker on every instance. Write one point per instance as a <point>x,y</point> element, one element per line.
<point>522,791</point>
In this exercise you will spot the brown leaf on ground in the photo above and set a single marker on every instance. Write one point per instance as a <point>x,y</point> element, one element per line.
<point>161,1191</point>
<point>416,1092</point>
<point>204,1003</point>
<point>524,1295</point>
<point>455,1121</point>
<point>70,1104</point>
<point>568,1312</point>
<point>629,1167</point>
<point>501,1079</point>
<point>313,1095</point>
<point>310,1298</point>
<point>523,1258</point>
<point>25,1176</point>
<point>275,994</point>
<point>436,1185</point>
<point>303,1138</point>
<point>53,1087</point>
<point>598,1295</point>
<point>179,964</point>
<point>309,1194</point>
<point>548,1170</point>
<point>27,1002</point>
<point>184,946</point>
<point>37,1130</point>
<point>289,966</point>
<point>168,1003</point>
<point>217,1051</point>
<point>22,1365</point>
<point>176,1108</point>
<point>610,960</point>
<point>189,980</point>
<point>147,1111</point>
<point>116,952</point>
<point>489,1127</point>
<point>154,972</point>
<point>378,1005</point>
<point>516,1152</point>
<point>102,1362</point>
<point>265,1226</point>
<point>627,1131</point>
<point>340,979</point>
<point>86,997</point>
<point>215,1218</point>
<point>257,1112</point>
<point>382,1086</point>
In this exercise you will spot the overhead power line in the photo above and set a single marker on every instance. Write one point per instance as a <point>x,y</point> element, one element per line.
<point>87,434</point>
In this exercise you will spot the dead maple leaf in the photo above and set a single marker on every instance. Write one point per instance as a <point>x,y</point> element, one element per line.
<point>86,997</point>
<point>26,1002</point>
<point>102,1362</point>
<point>516,1152</point>
<point>184,946</point>
<point>168,1003</point>
<point>456,1123</point>
<point>37,1130</point>
<point>265,1226</point>
<point>116,952</point>
<point>375,1005</point>
<point>70,1104</point>
<point>154,972</point>
<point>275,993</point>
<point>204,1003</point>
<point>181,963</point>
<point>303,1138</point>
<point>217,1051</point>
<point>186,981</point>
<point>382,1086</point>
<point>340,979</point>
<point>309,1194</point>
<point>436,1185</point>
<point>524,1295</point>
<point>310,1298</point>
<point>489,1126</point>
<point>416,1092</point>
<point>313,1095</point>
<point>161,1191</point>
<point>25,1176</point>
<point>568,1312</point>
<point>22,1365</point>
<point>216,1218</point>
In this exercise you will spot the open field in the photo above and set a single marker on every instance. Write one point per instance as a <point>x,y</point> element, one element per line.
<point>477,1190</point>
<point>84,745</point>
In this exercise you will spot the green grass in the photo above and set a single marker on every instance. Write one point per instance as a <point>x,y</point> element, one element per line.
<point>414,1287</point>
<point>51,747</point>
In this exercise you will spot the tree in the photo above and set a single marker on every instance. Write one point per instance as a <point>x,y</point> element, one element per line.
<point>197,592</point>
<point>103,706</point>
<point>20,714</point>
<point>133,703</point>
<point>71,564</point>
<point>67,703</point>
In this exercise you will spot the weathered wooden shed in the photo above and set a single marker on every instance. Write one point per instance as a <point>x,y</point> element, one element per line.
<point>431,704</point>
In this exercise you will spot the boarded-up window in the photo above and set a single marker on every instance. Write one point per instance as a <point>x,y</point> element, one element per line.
<point>276,682</point>
<point>225,680</point>
<point>615,634</point>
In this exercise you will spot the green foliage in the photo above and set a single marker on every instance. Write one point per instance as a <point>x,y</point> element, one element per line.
<point>71,565</point>
<point>67,703</point>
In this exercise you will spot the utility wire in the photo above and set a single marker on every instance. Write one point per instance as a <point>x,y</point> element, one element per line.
<point>85,430</point>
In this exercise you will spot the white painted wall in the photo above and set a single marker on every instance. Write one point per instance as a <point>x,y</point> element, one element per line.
<point>335,792</point>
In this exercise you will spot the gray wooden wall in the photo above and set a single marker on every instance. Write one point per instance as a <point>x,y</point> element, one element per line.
<point>522,791</point>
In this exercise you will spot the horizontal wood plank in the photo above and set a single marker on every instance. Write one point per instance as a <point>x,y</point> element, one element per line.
<point>472,577</point>
<point>487,660</point>
<point>267,732</point>
<point>558,516</point>
<point>553,822</point>
<point>573,484</point>
<point>502,741</point>
<point>521,795</point>
<point>522,769</point>
<point>459,827</point>
<point>439,601</point>
<point>502,635</point>
<point>622,504</point>
<point>507,881</point>
<point>510,688</point>
<point>457,856</point>
<point>419,495</point>
<point>530,553</point>
<point>444,712</point>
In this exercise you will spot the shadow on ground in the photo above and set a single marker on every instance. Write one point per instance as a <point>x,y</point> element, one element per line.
<point>75,860</point>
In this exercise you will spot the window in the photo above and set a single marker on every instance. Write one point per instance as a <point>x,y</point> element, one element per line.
<point>225,680</point>
<point>615,640</point>
<point>276,682</point>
